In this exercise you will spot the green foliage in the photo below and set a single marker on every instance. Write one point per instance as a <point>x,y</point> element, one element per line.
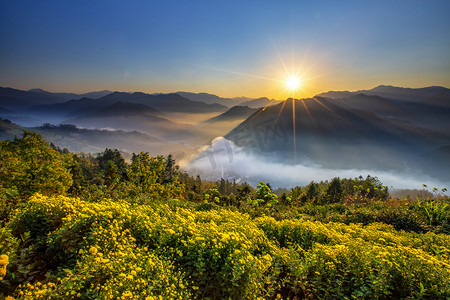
<point>265,195</point>
<point>335,191</point>
<point>29,165</point>
<point>436,211</point>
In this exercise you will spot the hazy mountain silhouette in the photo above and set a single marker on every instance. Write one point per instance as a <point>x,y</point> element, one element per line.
<point>71,96</point>
<point>94,141</point>
<point>434,95</point>
<point>423,115</point>
<point>209,98</point>
<point>382,128</point>
<point>223,123</point>
<point>165,102</point>
<point>127,116</point>
<point>338,133</point>
<point>236,113</point>
<point>125,109</point>
<point>260,102</point>
<point>173,103</point>
<point>18,100</point>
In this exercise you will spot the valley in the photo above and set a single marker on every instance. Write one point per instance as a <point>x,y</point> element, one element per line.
<point>385,129</point>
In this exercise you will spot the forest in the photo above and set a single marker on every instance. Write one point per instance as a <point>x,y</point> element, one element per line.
<point>79,226</point>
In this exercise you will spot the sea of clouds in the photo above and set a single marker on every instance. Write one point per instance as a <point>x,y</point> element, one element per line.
<point>224,159</point>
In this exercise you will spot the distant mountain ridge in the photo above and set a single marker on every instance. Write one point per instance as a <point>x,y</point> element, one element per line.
<point>209,98</point>
<point>164,102</point>
<point>125,109</point>
<point>360,131</point>
<point>435,95</point>
<point>96,140</point>
<point>260,102</point>
<point>14,99</point>
<point>73,96</point>
<point>237,112</point>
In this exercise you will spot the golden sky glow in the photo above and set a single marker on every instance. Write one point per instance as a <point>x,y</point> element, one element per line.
<point>233,52</point>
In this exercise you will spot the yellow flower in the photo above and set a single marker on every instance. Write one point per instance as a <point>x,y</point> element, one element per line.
<point>127,295</point>
<point>3,263</point>
<point>93,250</point>
<point>4,260</point>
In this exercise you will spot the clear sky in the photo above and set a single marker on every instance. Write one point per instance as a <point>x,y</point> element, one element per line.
<point>229,48</point>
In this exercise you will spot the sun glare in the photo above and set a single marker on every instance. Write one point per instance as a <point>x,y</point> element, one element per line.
<point>293,83</point>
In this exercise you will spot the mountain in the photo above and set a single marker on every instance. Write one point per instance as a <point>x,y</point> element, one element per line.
<point>223,123</point>
<point>422,114</point>
<point>242,99</point>
<point>18,100</point>
<point>434,95</point>
<point>126,116</point>
<point>95,141</point>
<point>70,96</point>
<point>69,108</point>
<point>260,102</point>
<point>236,113</point>
<point>338,94</point>
<point>164,102</point>
<point>209,98</point>
<point>335,134</point>
<point>125,109</point>
<point>134,116</point>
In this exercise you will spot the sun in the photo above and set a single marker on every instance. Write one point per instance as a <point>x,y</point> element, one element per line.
<point>293,83</point>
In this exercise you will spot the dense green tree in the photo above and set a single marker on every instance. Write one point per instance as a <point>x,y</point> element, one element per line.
<point>264,194</point>
<point>171,169</point>
<point>334,192</point>
<point>108,162</point>
<point>244,191</point>
<point>30,165</point>
<point>362,189</point>
<point>312,193</point>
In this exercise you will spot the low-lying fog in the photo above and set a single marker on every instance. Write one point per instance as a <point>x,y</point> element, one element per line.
<point>223,159</point>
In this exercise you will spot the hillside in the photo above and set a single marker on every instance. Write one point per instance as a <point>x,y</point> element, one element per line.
<point>260,102</point>
<point>236,113</point>
<point>19,100</point>
<point>36,107</point>
<point>73,96</point>
<point>341,133</point>
<point>434,95</point>
<point>164,102</point>
<point>210,98</point>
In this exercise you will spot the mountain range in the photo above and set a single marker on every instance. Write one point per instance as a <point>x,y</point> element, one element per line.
<point>433,95</point>
<point>353,130</point>
<point>229,102</point>
<point>72,96</point>
<point>384,128</point>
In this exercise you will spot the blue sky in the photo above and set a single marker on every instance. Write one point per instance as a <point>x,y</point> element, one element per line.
<point>230,48</point>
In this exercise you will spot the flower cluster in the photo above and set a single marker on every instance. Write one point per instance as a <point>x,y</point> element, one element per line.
<point>121,250</point>
<point>4,261</point>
